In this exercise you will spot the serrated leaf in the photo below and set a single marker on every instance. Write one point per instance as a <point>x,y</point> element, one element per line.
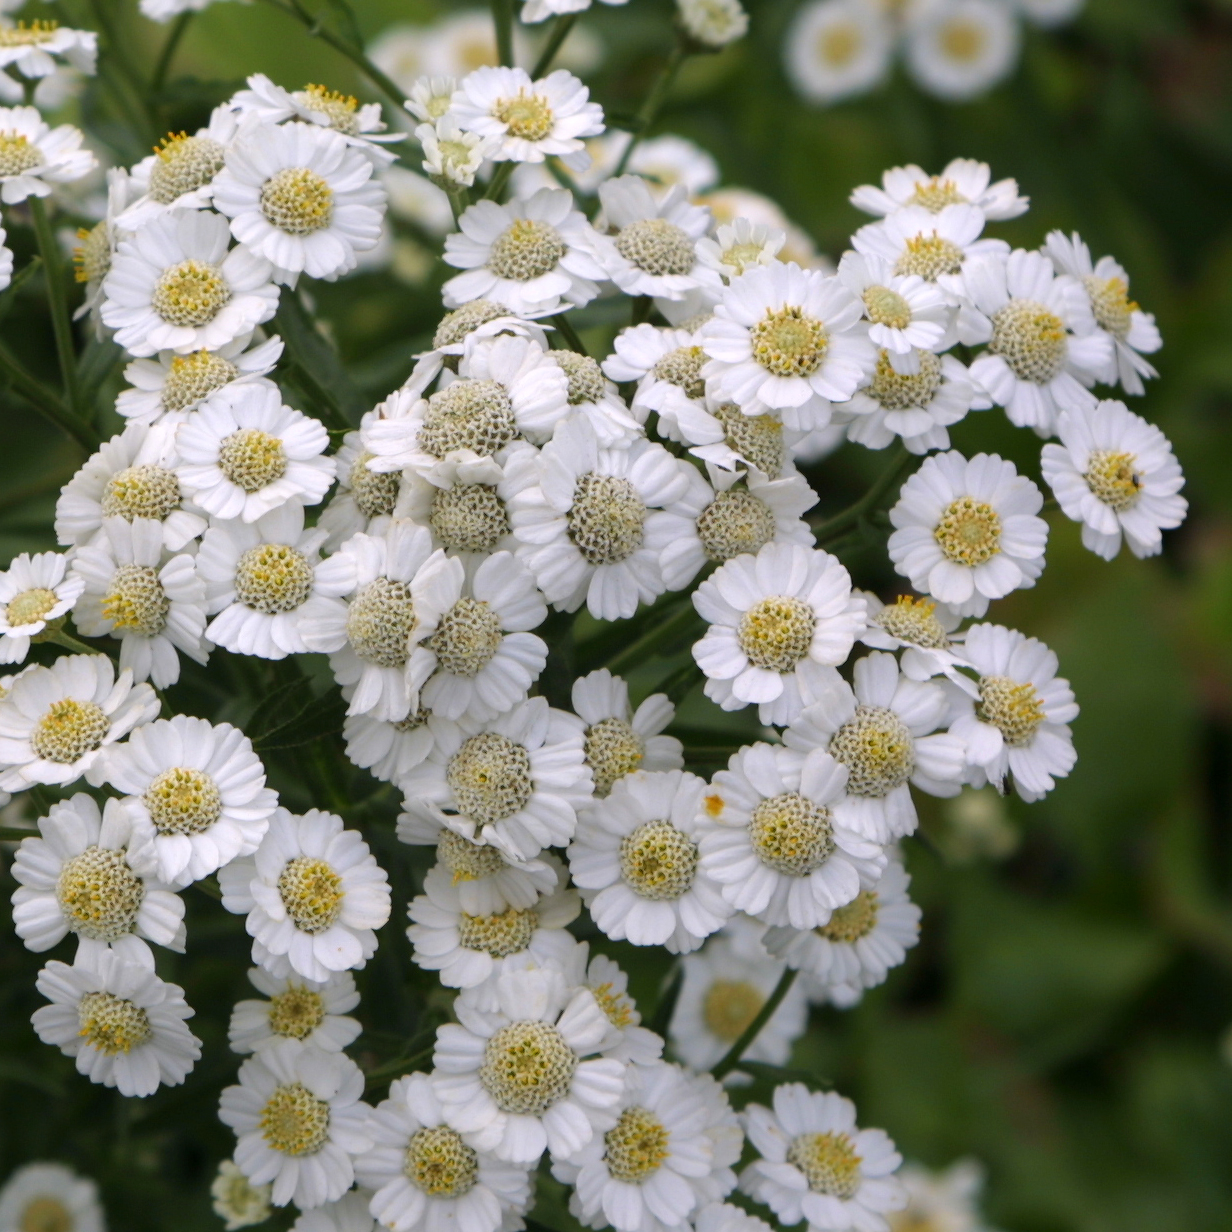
<point>323,716</point>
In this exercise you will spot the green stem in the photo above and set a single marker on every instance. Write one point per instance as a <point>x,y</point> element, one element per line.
<point>14,834</point>
<point>61,323</point>
<point>869,501</point>
<point>560,31</point>
<point>646,646</point>
<point>643,306</point>
<point>394,1069</point>
<point>502,19</point>
<point>339,401</point>
<point>69,642</point>
<point>126,82</point>
<point>459,197</point>
<point>167,55</point>
<point>666,1004</point>
<point>43,400</point>
<point>496,185</point>
<point>654,101</point>
<point>753,1030</point>
<point>568,333</point>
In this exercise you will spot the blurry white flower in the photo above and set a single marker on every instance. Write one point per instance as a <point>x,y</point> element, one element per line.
<point>34,592</point>
<point>960,49</point>
<point>430,98</point>
<point>946,1201</point>
<point>838,48</point>
<point>1049,12</point>
<point>541,10</point>
<point>32,49</point>
<point>963,182</point>
<point>165,10</point>
<point>236,1200</point>
<point>48,1191</point>
<point>712,23</point>
<point>34,156</point>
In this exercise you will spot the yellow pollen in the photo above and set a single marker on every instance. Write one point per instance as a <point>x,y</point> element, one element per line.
<point>606,519</point>
<point>467,861</point>
<point>1031,339</point>
<point>963,41</point>
<point>1111,477</point>
<point>929,256</point>
<point>22,35</point>
<point>877,748</point>
<point>829,1163</point>
<point>776,632</point>
<point>190,294</point>
<point>857,919</point>
<point>183,800</point>
<point>44,1214</point>
<point>636,1146</point>
<point>440,1164</point>
<point>969,532</point>
<point>729,1007</point>
<point>526,249</point>
<point>501,934</point>
<point>99,894</point>
<point>791,835</point>
<point>490,778</point>
<point>789,342</point>
<point>294,1121</point>
<point>141,492</point>
<point>527,1067</point>
<point>69,730</point>
<point>18,154</point>
<point>658,247</point>
<point>613,749</point>
<point>615,1005</point>
<point>252,459</point>
<point>913,620</point>
<point>897,391</point>
<point>92,256</point>
<point>528,116</point>
<point>1015,710</point>
<point>273,578</point>
<point>935,194</point>
<point>297,200</point>
<point>340,108</point>
<point>312,893</point>
<point>135,601</point>
<point>30,606</point>
<point>112,1024</point>
<point>658,861</point>
<point>1110,302</point>
<point>839,44</point>
<point>296,1013</point>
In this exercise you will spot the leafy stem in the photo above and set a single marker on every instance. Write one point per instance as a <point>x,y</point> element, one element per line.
<point>568,333</point>
<point>46,402</point>
<point>753,1030</point>
<point>654,101</point>
<point>832,527</point>
<point>502,19</point>
<point>560,31</point>
<point>165,57</point>
<point>648,644</point>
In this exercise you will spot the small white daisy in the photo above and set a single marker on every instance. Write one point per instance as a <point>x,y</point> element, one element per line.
<point>53,1195</point>
<point>120,1022</point>
<point>388,750</point>
<point>779,623</point>
<point>666,161</point>
<point>966,531</point>
<point>593,395</point>
<point>906,315</point>
<point>35,591</point>
<point>34,156</point>
<point>236,1200</point>
<point>721,434</point>
<point>364,500</point>
<point>739,245</point>
<point>311,1011</point>
<point>712,23</point>
<point>313,893</point>
<point>348,1214</point>
<point>666,364</point>
<point>924,630</point>
<point>963,182</point>
<point>32,49</point>
<point>724,1217</point>
<point>96,245</point>
<point>946,1200</point>
<point>1115,473</point>
<point>836,49</point>
<point>430,98</point>
<point>451,153</point>
<point>960,49</point>
<point>610,986</point>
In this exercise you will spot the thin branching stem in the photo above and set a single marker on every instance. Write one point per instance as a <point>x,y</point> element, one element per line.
<point>654,101</point>
<point>170,47</point>
<point>561,30</point>
<point>46,402</point>
<point>851,516</point>
<point>502,19</point>
<point>753,1030</point>
<point>61,323</point>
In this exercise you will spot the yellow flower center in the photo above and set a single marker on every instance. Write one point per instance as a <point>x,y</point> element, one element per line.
<point>312,893</point>
<point>341,108</point>
<point>30,606</point>
<point>69,730</point>
<point>913,620</point>
<point>789,342</point>
<point>735,523</point>
<point>756,438</point>
<point>527,1067</point>
<point>526,249</point>
<point>613,749</point>
<point>467,861</point>
<point>528,116</point>
<point>658,861</point>
<point>190,294</point>
<point>934,194</point>
<point>296,1013</point>
<point>136,601</point>
<point>791,834</point>
<point>294,1121</point>
<point>636,1146</point>
<point>878,750</point>
<point>656,246</point>
<point>298,201</point>
<point>1031,339</point>
<point>1110,302</point>
<point>929,256</point>
<point>273,578</point>
<point>440,1164</point>
<point>776,632</point>
<point>43,1214</point>
<point>969,532</point>
<point>857,919</point>
<point>887,307</point>
<point>252,459</point>
<point>607,519</point>
<point>829,1163</point>
<point>92,256</point>
<point>683,368</point>
<point>839,44</point>
<point>1111,477</point>
<point>183,165</point>
<point>111,1024</point>
<point>1015,710</point>
<point>467,638</point>
<point>141,492</point>
<point>963,41</point>
<point>194,377</point>
<point>490,778</point>
<point>18,154</point>
<point>503,933</point>
<point>469,517</point>
<point>182,800</point>
<point>380,621</point>
<point>99,894</point>
<point>729,1008</point>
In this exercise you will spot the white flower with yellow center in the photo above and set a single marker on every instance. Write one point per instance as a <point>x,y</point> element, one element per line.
<point>739,245</point>
<point>635,857</point>
<point>236,1200</point>
<point>175,286</point>
<point>120,1022</point>
<point>131,476</point>
<point>48,1195</point>
<point>817,1165</point>
<point>348,1214</point>
<point>301,197</point>
<point>32,49</point>
<point>451,153</point>
<point>136,591</point>
<point>963,182</point>
<point>610,985</point>
<point>880,730</point>
<point>426,1174</point>
<point>56,721</point>
<point>34,157</point>
<point>430,98</point>
<point>388,750</point>
<point>34,592</point>
<point>712,23</point>
<point>593,395</point>
<point>531,120</point>
<point>364,500</point>
<point>515,782</point>
<point>667,366</point>
<point>311,1011</point>
<point>1018,724</point>
<point>93,253</point>
<point>196,794</point>
<point>1116,474</point>
<point>779,622</point>
<point>924,630</point>
<point>300,1120</point>
<point>967,531</point>
<point>80,877</point>
<point>960,49</point>
<point>265,580</point>
<point>724,1217</point>
<point>942,1201</point>
<point>721,434</point>
<point>728,204</point>
<point>835,49</point>
<point>858,945</point>
<point>532,254</point>
<point>524,1078</point>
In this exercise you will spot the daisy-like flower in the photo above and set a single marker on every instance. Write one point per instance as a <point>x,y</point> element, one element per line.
<point>34,592</point>
<point>592,528</point>
<point>788,340</point>
<point>721,434</point>
<point>860,942</point>
<point>34,157</point>
<point>880,731</point>
<point>301,197</point>
<point>53,1195</point>
<point>56,721</point>
<point>311,1011</point>
<point>838,48</point>
<point>739,245</point>
<point>532,255</point>
<point>963,182</point>
<point>1044,349</point>
<point>426,1174</point>
<point>196,795</point>
<point>906,315</point>
<point>313,893</point>
<point>389,750</point>
<point>1019,723</point>
<point>236,1200</point>
<point>541,10</point>
<point>244,453</point>
<point>712,23</point>
<point>515,782</point>
<point>817,1165</point>
<point>651,248</point>
<point>265,579</point>
<point>135,590</point>
<point>925,631</point>
<point>348,1214</point>
<point>172,382</point>
<point>95,247</point>
<point>529,119</point>
<point>174,286</point>
<point>80,878</point>
<point>666,364</point>
<point>666,161</point>
<point>591,394</point>
<point>451,153</point>
<point>610,986</point>
<point>131,476</point>
<point>487,1090</point>
<point>300,1121</point>
<point>959,49</point>
<point>364,500</point>
<point>1116,474</point>
<point>430,98</point>
<point>635,858</point>
<point>966,531</point>
<point>947,1200</point>
<point>779,623</point>
<point>32,49</point>
<point>120,1022</point>
<point>724,1217</point>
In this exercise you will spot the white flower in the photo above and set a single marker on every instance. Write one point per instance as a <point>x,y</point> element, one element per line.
<point>300,1122</point>
<point>531,255</point>
<point>959,49</point>
<point>34,592</point>
<point>1043,344</point>
<point>591,529</point>
<point>669,160</point>
<point>165,10</point>
<point>779,623</point>
<point>50,1192</point>
<point>312,1011</point>
<point>1116,474</point>
<point>388,750</point>
<point>593,395</point>
<point>131,476</point>
<point>722,435</point>
<point>541,10</point>
<point>880,731</point>
<point>122,1024</point>
<point>34,156</point>
<point>635,858</point>
<point>56,721</point>
<point>364,500</point>
<point>313,893</point>
<point>666,364</point>
<point>1133,332</point>
<point>966,531</point>
<point>348,1214</point>
<point>652,248</point>
<point>739,245</point>
<point>786,339</point>
<point>724,1217</point>
<point>963,182</point>
<point>451,153</point>
<point>858,945</point>
<point>486,1093</point>
<point>174,286</point>
<point>530,119</point>
<point>945,1200</point>
<point>816,1165</point>
<point>427,1175</point>
<point>1019,723</point>
<point>1048,13</point>
<point>429,97</point>
<point>135,590</point>
<point>236,1200</point>
<point>301,197</point>
<point>515,782</point>
<point>264,579</point>
<point>906,315</point>
<point>712,23</point>
<point>610,986</point>
<point>80,877</point>
<point>924,630</point>
<point>30,49</point>
<point>196,795</point>
<point>6,261</point>
<point>835,49</point>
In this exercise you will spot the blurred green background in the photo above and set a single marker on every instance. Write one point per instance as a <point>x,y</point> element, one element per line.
<point>1064,1017</point>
